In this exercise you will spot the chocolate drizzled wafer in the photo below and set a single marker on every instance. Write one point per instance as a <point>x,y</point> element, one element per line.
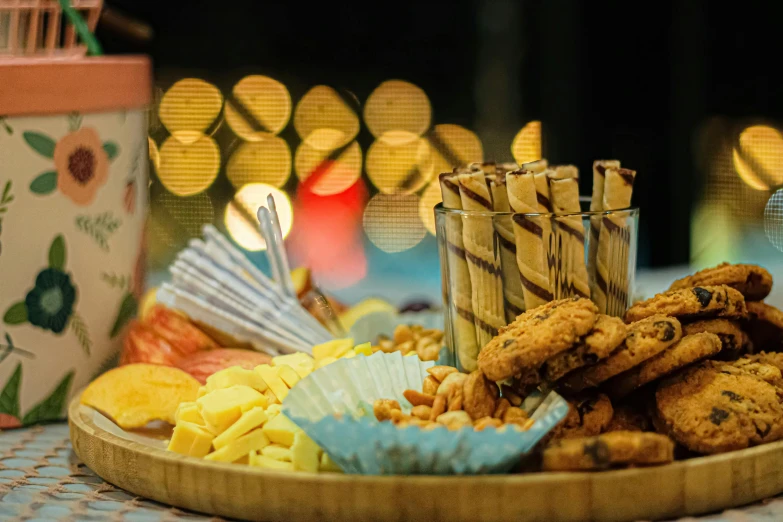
<point>571,271</point>
<point>535,166</point>
<point>478,236</point>
<point>528,236</point>
<point>464,320</point>
<point>513,296</point>
<point>611,291</point>
<point>596,205</point>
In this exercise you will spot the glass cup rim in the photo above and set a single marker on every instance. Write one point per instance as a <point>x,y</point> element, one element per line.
<point>631,211</point>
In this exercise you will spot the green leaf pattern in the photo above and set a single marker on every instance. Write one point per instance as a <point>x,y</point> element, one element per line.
<point>57,253</point>
<point>100,227</point>
<point>51,407</point>
<point>40,143</point>
<point>45,183</point>
<point>9,397</point>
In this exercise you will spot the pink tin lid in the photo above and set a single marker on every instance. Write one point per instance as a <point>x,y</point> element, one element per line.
<point>31,86</point>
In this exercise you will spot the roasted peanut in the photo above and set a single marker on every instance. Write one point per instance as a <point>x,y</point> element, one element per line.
<point>438,407</point>
<point>399,416</point>
<point>455,400</point>
<point>402,333</point>
<point>430,385</point>
<point>486,422</point>
<point>440,372</point>
<point>455,379</point>
<point>382,408</point>
<point>417,398</point>
<point>422,412</point>
<point>516,416</point>
<point>455,420</point>
<point>479,395</point>
<point>500,409</point>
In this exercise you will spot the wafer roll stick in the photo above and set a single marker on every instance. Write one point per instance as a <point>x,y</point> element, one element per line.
<point>535,166</point>
<point>570,237</point>
<point>478,237</point>
<point>611,293</point>
<point>513,296</point>
<point>596,205</point>
<point>544,206</point>
<point>465,342</point>
<point>528,236</point>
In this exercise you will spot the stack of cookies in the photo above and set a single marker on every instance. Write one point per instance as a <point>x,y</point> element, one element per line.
<point>694,364</point>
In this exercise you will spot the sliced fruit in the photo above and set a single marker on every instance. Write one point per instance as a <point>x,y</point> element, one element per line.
<point>366,307</point>
<point>203,364</point>
<point>177,329</point>
<point>142,345</point>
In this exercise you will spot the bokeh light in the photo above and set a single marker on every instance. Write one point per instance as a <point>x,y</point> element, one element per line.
<point>431,196</point>
<point>260,106</point>
<point>773,219</point>
<point>526,145</point>
<point>392,222</point>
<point>267,161</point>
<point>336,172</point>
<point>397,105</point>
<point>758,159</point>
<point>189,107</point>
<point>454,146</point>
<point>188,168</point>
<point>399,162</point>
<point>324,120</point>
<point>240,216</point>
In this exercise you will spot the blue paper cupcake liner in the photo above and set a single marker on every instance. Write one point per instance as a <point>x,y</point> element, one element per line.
<point>334,407</point>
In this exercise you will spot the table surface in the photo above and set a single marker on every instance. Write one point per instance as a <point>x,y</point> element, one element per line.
<point>41,479</point>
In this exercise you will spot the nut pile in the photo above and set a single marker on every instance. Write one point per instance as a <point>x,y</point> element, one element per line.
<point>455,400</point>
<point>410,339</point>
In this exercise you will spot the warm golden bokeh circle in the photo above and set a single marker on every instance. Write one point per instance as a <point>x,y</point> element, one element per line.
<point>429,198</point>
<point>267,161</point>
<point>454,146</point>
<point>324,120</point>
<point>526,145</point>
<point>188,168</point>
<point>392,222</point>
<point>397,105</point>
<point>240,216</point>
<point>341,171</point>
<point>189,107</point>
<point>266,100</point>
<point>399,162</point>
<point>759,158</point>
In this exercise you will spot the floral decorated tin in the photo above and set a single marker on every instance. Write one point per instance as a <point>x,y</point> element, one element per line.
<point>73,203</point>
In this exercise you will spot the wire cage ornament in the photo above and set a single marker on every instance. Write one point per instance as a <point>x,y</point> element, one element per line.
<point>41,28</point>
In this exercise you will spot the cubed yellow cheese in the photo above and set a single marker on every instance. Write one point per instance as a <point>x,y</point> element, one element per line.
<point>334,348</point>
<point>348,355</point>
<point>281,430</point>
<point>305,454</point>
<point>288,375</point>
<point>326,361</point>
<point>228,377</point>
<point>190,439</point>
<point>273,409</point>
<point>327,464</point>
<point>222,408</point>
<point>201,392</point>
<point>411,353</point>
<point>271,397</point>
<point>265,462</point>
<point>188,412</point>
<point>275,383</point>
<point>302,363</point>
<point>251,419</point>
<point>243,460</point>
<point>277,452</point>
<point>253,441</point>
<point>363,349</point>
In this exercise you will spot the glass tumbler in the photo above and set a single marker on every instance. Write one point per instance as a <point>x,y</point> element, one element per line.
<point>496,265</point>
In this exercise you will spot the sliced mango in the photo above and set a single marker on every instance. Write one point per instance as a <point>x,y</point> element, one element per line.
<point>251,419</point>
<point>222,408</point>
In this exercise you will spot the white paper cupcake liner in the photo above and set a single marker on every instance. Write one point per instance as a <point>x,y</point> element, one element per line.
<point>360,444</point>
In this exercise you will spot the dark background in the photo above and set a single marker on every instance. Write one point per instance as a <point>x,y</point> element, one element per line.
<point>613,79</point>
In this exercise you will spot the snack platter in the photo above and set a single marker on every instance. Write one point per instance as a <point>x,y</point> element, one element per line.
<point>552,393</point>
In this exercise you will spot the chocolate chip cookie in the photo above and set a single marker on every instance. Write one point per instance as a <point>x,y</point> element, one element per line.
<point>709,409</point>
<point>537,335</point>
<point>765,326</point>
<point>734,341</point>
<point>688,350</point>
<point>588,414</point>
<point>646,338</point>
<point>752,281</point>
<point>692,303</point>
<point>607,335</point>
<point>615,449</point>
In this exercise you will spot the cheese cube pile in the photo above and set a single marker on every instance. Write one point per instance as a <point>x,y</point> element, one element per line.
<point>237,415</point>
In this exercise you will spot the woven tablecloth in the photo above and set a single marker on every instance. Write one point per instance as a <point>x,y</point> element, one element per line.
<point>41,479</point>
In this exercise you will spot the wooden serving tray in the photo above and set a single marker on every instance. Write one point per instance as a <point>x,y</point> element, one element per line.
<point>689,487</point>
